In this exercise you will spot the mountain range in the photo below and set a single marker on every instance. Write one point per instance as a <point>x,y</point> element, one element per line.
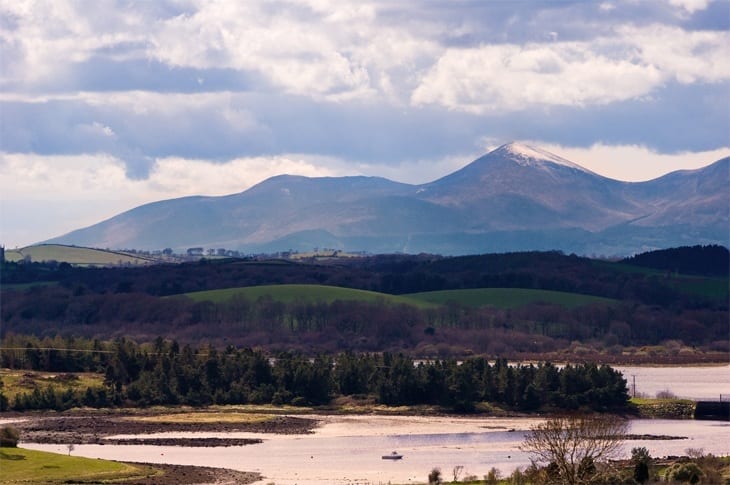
<point>516,197</point>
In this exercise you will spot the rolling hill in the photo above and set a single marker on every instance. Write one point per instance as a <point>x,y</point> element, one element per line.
<point>305,294</point>
<point>476,297</point>
<point>514,198</point>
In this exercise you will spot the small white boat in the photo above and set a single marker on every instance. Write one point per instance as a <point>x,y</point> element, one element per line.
<point>393,456</point>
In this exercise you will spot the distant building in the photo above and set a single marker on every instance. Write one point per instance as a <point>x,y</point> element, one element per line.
<point>195,251</point>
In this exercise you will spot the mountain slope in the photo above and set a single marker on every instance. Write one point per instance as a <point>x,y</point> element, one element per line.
<point>516,197</point>
<point>518,187</point>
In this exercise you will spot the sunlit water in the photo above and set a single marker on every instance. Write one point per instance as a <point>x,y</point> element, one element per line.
<point>349,449</point>
<point>692,382</point>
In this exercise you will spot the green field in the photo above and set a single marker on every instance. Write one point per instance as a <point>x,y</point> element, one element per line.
<point>508,297</point>
<point>19,465</point>
<point>74,255</point>
<point>305,294</point>
<point>499,297</point>
<point>712,288</point>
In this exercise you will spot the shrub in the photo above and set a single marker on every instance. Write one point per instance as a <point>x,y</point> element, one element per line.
<point>684,473</point>
<point>9,437</point>
<point>666,394</point>
<point>434,478</point>
<point>493,477</point>
<point>641,460</point>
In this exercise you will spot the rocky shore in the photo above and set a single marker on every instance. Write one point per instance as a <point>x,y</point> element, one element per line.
<point>98,429</point>
<point>195,475</point>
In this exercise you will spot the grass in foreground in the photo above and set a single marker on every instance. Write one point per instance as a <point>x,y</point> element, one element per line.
<point>19,465</point>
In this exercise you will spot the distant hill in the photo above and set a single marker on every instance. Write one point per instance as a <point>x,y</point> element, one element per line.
<point>515,198</point>
<point>695,260</point>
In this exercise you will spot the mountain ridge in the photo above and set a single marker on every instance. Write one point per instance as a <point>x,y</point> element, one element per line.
<point>514,197</point>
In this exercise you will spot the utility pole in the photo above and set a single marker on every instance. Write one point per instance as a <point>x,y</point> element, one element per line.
<point>634,385</point>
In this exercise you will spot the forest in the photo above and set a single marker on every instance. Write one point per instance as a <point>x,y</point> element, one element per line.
<point>165,373</point>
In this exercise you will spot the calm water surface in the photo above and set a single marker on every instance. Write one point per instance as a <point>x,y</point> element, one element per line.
<point>691,382</point>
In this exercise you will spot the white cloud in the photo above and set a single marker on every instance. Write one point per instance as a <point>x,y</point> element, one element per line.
<point>688,57</point>
<point>48,36</point>
<point>508,77</point>
<point>90,177</point>
<point>511,77</point>
<point>340,50</point>
<point>176,176</point>
<point>310,54</point>
<point>690,6</point>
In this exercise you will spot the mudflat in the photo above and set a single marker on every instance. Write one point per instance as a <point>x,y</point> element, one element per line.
<point>99,428</point>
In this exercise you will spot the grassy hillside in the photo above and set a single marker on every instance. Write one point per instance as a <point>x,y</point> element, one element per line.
<point>29,466</point>
<point>74,255</point>
<point>507,297</point>
<point>304,293</point>
<point>23,381</point>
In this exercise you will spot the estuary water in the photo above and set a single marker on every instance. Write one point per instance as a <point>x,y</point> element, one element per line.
<point>705,382</point>
<point>348,449</point>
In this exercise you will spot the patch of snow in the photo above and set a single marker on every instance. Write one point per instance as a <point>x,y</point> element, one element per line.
<point>527,155</point>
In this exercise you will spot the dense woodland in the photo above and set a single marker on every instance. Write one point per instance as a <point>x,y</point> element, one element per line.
<point>166,373</point>
<point>143,303</point>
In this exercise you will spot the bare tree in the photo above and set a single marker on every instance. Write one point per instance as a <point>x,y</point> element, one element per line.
<point>70,447</point>
<point>457,472</point>
<point>575,449</point>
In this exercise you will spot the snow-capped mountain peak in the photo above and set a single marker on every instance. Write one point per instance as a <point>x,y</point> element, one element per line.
<point>527,155</point>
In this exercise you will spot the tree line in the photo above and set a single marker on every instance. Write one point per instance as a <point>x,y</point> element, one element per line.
<point>165,373</point>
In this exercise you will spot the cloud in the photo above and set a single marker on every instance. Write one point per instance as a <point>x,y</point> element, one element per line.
<point>508,77</point>
<point>690,6</point>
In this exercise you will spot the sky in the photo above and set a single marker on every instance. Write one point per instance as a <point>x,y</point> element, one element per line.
<point>106,105</point>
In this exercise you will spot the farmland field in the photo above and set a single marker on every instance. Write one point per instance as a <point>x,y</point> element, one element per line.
<point>499,297</point>
<point>74,255</point>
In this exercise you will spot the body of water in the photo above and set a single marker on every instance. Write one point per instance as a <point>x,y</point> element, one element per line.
<point>690,382</point>
<point>348,449</point>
